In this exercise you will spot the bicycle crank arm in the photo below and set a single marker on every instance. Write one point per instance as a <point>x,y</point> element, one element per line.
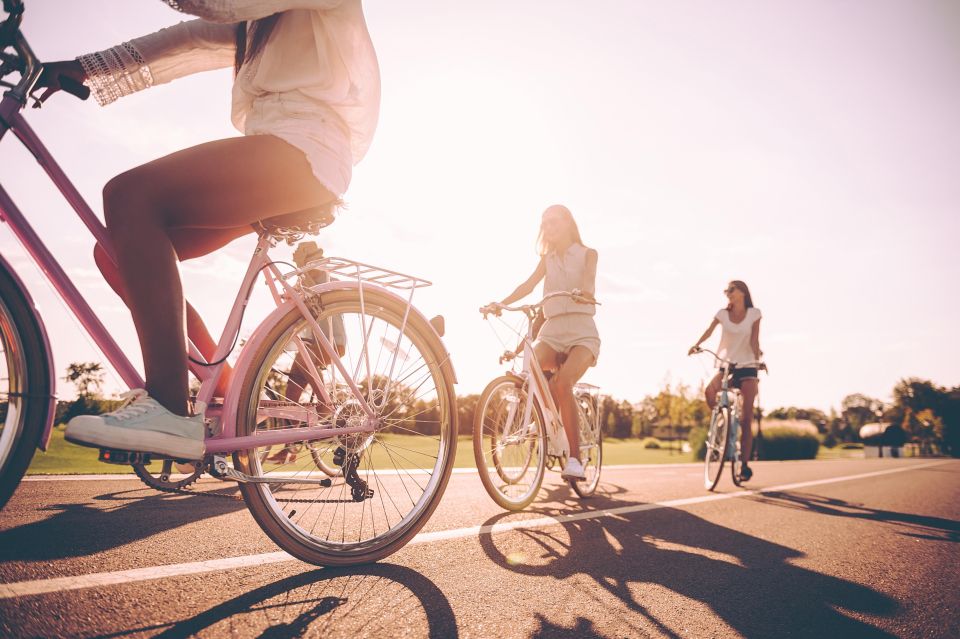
<point>221,470</point>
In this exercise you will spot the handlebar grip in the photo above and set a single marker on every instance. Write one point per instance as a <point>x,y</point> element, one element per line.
<point>73,87</point>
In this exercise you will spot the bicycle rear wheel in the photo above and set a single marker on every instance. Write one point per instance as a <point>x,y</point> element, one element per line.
<point>24,385</point>
<point>716,448</point>
<point>510,452</point>
<point>388,482</point>
<point>591,445</point>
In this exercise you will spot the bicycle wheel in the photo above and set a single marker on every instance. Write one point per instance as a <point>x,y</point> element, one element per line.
<point>716,448</point>
<point>388,482</point>
<point>23,376</point>
<point>591,445</point>
<point>510,453</point>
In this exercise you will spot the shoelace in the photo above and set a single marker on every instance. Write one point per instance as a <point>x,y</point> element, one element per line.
<point>138,403</point>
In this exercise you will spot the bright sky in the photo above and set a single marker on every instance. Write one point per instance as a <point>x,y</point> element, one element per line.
<point>810,149</point>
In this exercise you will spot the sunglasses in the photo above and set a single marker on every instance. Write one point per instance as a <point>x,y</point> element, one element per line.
<point>728,291</point>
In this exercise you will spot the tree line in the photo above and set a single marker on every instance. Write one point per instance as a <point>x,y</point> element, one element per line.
<point>929,414</point>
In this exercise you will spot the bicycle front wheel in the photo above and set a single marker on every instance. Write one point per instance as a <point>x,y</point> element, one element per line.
<point>591,444</point>
<point>716,448</point>
<point>509,443</point>
<point>24,385</point>
<point>386,483</point>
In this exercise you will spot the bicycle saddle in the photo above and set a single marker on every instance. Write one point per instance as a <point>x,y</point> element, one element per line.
<point>292,226</point>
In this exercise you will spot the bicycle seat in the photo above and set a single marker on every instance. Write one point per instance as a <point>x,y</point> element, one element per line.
<point>292,226</point>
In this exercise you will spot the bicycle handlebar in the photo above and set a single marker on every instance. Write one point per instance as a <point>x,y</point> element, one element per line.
<point>25,61</point>
<point>575,294</point>
<point>754,364</point>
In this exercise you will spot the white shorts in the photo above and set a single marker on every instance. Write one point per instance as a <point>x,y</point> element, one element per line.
<point>313,128</point>
<point>563,332</point>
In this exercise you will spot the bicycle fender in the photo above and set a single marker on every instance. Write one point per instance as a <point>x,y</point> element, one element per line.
<point>41,329</point>
<point>252,346</point>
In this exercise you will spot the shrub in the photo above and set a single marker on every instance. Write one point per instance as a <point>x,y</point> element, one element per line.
<point>698,441</point>
<point>789,439</point>
<point>651,442</point>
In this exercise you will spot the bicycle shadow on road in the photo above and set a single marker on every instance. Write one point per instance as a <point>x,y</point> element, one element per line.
<point>916,526</point>
<point>746,581</point>
<point>373,600</point>
<point>81,529</point>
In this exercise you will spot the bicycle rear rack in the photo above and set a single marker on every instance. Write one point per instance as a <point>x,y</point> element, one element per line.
<point>342,268</point>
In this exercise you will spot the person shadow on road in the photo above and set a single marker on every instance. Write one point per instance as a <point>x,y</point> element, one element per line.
<point>750,583</point>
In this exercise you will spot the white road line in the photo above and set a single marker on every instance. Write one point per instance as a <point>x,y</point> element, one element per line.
<point>99,580</point>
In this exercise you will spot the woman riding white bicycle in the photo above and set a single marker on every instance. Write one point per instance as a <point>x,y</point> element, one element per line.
<point>739,343</point>
<point>568,343</point>
<point>306,96</point>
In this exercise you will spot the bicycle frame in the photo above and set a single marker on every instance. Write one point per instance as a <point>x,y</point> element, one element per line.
<point>539,390</point>
<point>734,406</point>
<point>286,296</point>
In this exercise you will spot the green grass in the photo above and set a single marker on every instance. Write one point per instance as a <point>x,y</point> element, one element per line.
<point>838,452</point>
<point>65,458</point>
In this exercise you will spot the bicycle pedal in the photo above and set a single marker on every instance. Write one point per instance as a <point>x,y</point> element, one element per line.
<point>123,457</point>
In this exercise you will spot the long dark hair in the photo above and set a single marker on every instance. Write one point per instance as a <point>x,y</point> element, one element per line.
<point>259,32</point>
<point>742,286</point>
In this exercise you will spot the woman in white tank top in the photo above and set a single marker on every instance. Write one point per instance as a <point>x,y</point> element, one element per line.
<point>739,343</point>
<point>568,342</point>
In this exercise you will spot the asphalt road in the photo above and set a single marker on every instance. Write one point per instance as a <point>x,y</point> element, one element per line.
<point>813,549</point>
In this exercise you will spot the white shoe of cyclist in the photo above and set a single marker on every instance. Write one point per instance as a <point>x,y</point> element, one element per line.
<point>142,425</point>
<point>573,470</point>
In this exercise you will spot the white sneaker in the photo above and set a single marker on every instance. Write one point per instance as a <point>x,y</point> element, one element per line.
<point>573,470</point>
<point>142,425</point>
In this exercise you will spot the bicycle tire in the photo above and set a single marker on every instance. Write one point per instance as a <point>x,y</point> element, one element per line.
<point>504,399</point>
<point>289,527</point>
<point>716,443</point>
<point>590,432</point>
<point>24,376</point>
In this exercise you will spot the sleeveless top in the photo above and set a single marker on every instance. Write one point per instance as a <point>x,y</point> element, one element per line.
<point>564,273</point>
<point>735,338</point>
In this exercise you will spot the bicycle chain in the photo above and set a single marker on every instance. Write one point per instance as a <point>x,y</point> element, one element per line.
<point>361,488</point>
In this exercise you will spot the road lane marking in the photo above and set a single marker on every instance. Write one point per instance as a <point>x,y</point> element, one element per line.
<point>99,580</point>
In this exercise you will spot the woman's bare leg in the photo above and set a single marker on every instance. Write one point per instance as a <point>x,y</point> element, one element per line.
<point>710,392</point>
<point>748,392</point>
<point>187,243</point>
<point>561,387</point>
<point>219,185</point>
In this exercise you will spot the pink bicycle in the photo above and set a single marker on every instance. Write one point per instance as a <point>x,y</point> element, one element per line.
<point>340,423</point>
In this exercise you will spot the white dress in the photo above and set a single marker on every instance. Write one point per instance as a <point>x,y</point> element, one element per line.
<point>568,323</point>
<point>316,83</point>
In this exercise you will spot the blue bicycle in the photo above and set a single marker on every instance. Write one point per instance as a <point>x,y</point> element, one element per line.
<point>723,438</point>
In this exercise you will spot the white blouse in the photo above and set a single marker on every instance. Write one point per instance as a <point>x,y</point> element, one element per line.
<point>735,337</point>
<point>565,272</point>
<point>316,83</point>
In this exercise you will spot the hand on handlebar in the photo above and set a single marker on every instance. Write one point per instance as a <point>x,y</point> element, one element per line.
<point>67,75</point>
<point>583,297</point>
<point>493,308</point>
